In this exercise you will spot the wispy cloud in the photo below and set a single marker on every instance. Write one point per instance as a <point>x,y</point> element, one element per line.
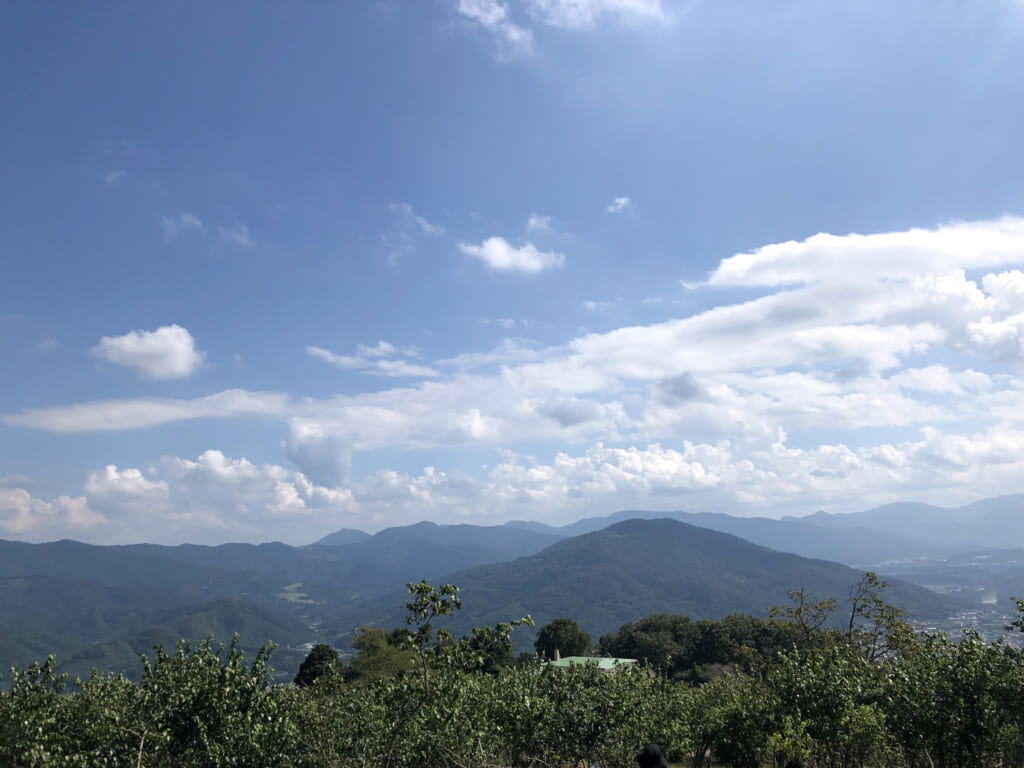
<point>408,227</point>
<point>538,223</point>
<point>508,323</point>
<point>112,177</point>
<point>379,360</point>
<point>411,217</point>
<point>236,236</point>
<point>174,226</point>
<point>618,205</point>
<point>582,14</point>
<point>516,39</point>
<point>495,17</point>
<point>500,255</point>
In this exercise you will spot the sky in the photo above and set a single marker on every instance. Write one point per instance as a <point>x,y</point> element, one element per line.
<point>270,271</point>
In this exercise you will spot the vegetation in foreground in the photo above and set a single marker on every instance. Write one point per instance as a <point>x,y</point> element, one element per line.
<point>874,694</point>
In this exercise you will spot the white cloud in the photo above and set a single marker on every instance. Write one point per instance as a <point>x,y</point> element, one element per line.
<point>112,177</point>
<point>376,360</point>
<point>538,223</point>
<point>726,401</point>
<point>941,380</point>
<point>173,226</point>
<point>498,254</point>
<point>596,306</point>
<point>169,352</point>
<point>844,258</point>
<point>215,497</point>
<point>580,14</point>
<point>324,458</point>
<point>29,518</point>
<point>495,17</point>
<point>618,205</point>
<point>236,236</point>
<point>136,413</point>
<point>411,217</point>
<point>508,323</point>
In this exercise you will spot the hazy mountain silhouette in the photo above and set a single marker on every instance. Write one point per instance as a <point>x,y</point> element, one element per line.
<point>638,567</point>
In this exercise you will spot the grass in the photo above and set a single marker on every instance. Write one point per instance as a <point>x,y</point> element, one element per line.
<point>292,595</point>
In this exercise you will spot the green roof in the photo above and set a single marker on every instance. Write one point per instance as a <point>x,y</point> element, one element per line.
<point>598,661</point>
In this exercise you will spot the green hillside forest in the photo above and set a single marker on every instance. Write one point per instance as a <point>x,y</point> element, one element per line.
<point>795,689</point>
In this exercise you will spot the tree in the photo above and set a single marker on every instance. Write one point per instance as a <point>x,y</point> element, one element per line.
<point>564,636</point>
<point>380,654</point>
<point>322,660</point>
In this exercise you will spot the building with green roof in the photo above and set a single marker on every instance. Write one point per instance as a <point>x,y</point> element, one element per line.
<point>603,663</point>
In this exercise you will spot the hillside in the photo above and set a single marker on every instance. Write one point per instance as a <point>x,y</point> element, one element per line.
<point>639,567</point>
<point>859,546</point>
<point>119,651</point>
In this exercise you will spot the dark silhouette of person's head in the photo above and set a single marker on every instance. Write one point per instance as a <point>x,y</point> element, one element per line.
<point>651,757</point>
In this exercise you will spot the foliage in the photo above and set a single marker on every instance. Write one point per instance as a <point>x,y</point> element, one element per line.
<point>322,660</point>
<point>684,649</point>
<point>872,695</point>
<point>563,636</point>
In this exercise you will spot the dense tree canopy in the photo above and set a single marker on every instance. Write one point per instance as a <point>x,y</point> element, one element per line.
<point>564,636</point>
<point>928,701</point>
<point>322,660</point>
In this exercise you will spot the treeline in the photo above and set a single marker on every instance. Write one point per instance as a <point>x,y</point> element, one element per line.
<point>792,690</point>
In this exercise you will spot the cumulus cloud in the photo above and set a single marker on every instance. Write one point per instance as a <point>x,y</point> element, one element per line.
<point>169,352</point>
<point>127,486</point>
<point>174,226</point>
<point>215,497</point>
<point>500,255</point>
<point>325,458</point>
<point>845,258</point>
<point>920,331</point>
<point>378,360</point>
<point>28,518</point>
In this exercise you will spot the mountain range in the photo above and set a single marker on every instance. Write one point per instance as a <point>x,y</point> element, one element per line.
<point>635,568</point>
<point>102,606</point>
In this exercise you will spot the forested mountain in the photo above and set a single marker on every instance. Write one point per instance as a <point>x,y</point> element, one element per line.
<point>105,604</point>
<point>856,546</point>
<point>343,536</point>
<point>639,567</point>
<point>87,624</point>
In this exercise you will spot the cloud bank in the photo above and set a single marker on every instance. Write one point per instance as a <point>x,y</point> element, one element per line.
<point>784,402</point>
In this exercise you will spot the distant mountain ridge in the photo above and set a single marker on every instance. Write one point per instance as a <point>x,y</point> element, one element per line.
<point>995,522</point>
<point>106,602</point>
<point>634,568</point>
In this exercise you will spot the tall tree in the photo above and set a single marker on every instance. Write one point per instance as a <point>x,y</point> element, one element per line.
<point>563,635</point>
<point>322,660</point>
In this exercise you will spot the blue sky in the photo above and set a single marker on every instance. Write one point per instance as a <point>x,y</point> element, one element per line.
<point>270,273</point>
